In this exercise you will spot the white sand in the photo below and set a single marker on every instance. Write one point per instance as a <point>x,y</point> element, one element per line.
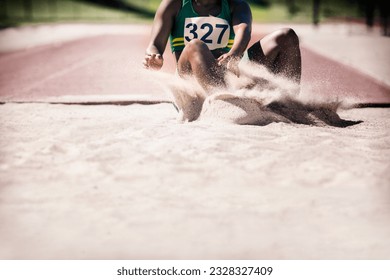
<point>130,182</point>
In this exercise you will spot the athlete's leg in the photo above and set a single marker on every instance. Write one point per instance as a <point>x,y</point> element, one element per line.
<point>279,52</point>
<point>196,59</point>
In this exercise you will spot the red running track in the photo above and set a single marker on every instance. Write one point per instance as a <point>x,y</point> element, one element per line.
<point>111,65</point>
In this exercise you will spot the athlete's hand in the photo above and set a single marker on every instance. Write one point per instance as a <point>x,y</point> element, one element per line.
<point>231,62</point>
<point>153,61</point>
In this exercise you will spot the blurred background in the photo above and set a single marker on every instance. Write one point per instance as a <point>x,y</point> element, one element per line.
<point>373,13</point>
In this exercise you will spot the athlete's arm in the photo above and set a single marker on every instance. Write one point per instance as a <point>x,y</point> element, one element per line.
<point>242,25</point>
<point>162,25</point>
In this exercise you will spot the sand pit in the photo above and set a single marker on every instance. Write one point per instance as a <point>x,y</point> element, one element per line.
<point>302,178</point>
<point>90,182</point>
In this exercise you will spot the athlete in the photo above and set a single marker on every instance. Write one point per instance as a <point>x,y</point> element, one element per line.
<point>210,37</point>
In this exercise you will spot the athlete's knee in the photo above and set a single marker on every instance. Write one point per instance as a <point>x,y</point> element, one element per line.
<point>287,36</point>
<point>197,50</point>
<point>196,45</point>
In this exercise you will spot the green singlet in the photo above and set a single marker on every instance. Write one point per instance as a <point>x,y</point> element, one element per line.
<point>216,32</point>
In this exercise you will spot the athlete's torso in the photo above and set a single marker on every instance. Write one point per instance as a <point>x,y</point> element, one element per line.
<point>214,29</point>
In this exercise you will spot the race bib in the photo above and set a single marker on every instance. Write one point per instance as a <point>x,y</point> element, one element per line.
<point>213,31</point>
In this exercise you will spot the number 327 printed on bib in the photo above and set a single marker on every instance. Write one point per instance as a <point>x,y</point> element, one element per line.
<point>213,31</point>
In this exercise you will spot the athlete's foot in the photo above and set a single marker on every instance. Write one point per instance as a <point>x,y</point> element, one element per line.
<point>188,102</point>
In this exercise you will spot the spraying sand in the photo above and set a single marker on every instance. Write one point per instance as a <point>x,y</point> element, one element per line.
<point>257,97</point>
